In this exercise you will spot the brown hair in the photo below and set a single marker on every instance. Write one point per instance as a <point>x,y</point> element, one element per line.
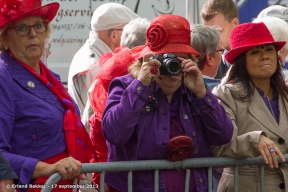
<point>239,74</point>
<point>227,7</point>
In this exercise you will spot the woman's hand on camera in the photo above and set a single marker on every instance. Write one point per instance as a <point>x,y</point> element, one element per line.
<point>149,69</point>
<point>193,77</point>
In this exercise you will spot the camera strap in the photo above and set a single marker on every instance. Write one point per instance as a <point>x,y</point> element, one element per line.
<point>154,101</point>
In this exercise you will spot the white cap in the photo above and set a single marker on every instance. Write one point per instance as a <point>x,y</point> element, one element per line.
<point>111,15</point>
<point>275,11</point>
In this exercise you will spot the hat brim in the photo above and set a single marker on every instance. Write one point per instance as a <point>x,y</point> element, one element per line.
<point>231,55</point>
<point>170,48</point>
<point>48,11</point>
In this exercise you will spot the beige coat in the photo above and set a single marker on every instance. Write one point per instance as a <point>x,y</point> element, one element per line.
<point>250,119</point>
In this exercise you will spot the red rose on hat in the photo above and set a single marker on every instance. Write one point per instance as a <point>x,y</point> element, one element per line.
<point>156,36</point>
<point>168,33</point>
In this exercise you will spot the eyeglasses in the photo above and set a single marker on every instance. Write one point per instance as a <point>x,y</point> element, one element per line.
<point>220,51</point>
<point>48,47</point>
<point>23,30</point>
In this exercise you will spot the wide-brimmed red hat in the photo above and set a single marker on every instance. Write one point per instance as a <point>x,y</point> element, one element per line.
<point>13,10</point>
<point>168,33</point>
<point>248,35</point>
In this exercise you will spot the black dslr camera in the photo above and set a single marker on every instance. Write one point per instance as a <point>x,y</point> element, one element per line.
<point>170,64</point>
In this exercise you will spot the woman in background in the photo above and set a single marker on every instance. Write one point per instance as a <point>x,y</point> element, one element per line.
<point>255,98</point>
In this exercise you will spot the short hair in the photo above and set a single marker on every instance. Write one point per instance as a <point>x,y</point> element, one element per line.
<point>134,33</point>
<point>227,7</point>
<point>277,27</point>
<point>204,39</point>
<point>4,30</point>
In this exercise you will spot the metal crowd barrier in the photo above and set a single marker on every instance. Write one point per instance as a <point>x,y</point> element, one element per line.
<point>156,165</point>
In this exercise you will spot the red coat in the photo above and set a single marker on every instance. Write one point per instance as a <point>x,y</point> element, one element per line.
<point>99,143</point>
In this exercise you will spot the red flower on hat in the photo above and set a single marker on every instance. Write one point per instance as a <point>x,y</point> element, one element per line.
<point>157,36</point>
<point>9,8</point>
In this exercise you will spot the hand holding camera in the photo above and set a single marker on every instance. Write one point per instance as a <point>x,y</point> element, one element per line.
<point>193,77</point>
<point>171,65</point>
<point>149,69</point>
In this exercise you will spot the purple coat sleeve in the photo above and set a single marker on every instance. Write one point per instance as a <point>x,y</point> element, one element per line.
<point>22,166</point>
<point>213,115</point>
<point>124,104</point>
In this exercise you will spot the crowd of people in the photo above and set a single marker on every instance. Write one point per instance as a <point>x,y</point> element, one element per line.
<point>144,90</point>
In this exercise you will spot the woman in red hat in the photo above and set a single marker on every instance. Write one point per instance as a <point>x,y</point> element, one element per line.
<point>255,97</point>
<point>162,110</point>
<point>40,131</point>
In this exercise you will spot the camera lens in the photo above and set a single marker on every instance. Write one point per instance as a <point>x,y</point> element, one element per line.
<point>174,67</point>
<point>170,64</point>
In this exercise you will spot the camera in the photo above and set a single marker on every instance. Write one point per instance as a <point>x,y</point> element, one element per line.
<point>170,64</point>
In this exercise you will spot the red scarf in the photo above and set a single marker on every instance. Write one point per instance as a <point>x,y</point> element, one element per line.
<point>79,145</point>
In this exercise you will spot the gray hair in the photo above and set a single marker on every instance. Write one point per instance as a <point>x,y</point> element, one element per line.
<point>204,39</point>
<point>277,27</point>
<point>134,33</point>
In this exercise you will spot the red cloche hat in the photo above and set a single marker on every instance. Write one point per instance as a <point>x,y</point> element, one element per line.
<point>248,35</point>
<point>13,10</point>
<point>168,33</point>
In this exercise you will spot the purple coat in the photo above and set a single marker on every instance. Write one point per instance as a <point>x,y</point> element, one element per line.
<point>31,119</point>
<point>134,133</point>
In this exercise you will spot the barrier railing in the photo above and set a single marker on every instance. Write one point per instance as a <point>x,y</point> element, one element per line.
<point>157,165</point>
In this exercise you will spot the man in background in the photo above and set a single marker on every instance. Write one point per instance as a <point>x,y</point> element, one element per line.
<point>106,28</point>
<point>205,40</point>
<point>222,13</point>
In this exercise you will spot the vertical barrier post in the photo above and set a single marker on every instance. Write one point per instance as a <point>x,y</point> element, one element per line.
<point>187,180</point>
<point>262,177</point>
<point>130,181</point>
<point>75,182</point>
<point>156,180</point>
<point>236,178</point>
<point>102,181</point>
<point>210,179</point>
